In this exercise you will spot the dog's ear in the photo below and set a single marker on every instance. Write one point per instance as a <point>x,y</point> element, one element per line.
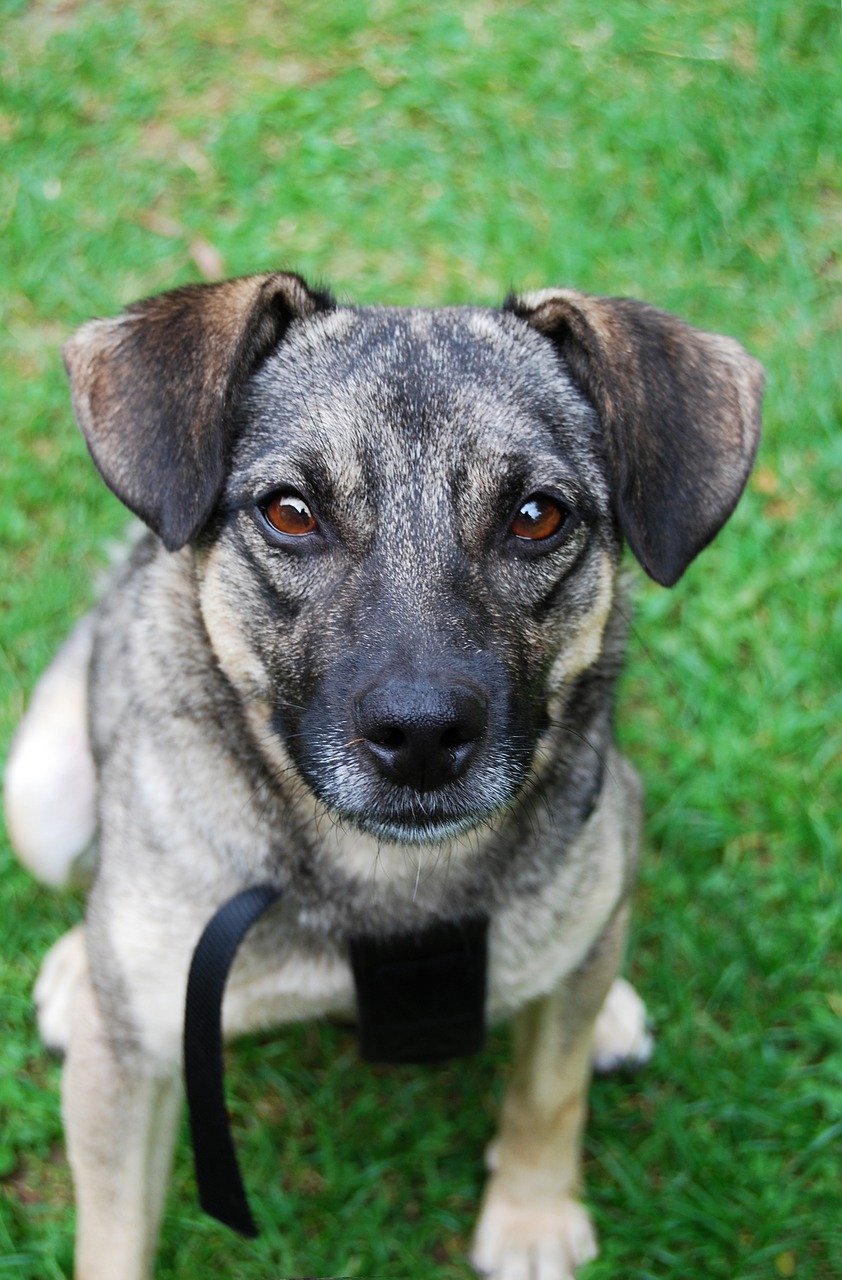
<point>153,390</point>
<point>681,412</point>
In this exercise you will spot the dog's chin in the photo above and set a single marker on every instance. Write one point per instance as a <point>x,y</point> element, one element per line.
<point>426,831</point>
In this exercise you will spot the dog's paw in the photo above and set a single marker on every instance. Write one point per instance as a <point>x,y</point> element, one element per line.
<point>62,972</point>
<point>621,1034</point>
<point>531,1242</point>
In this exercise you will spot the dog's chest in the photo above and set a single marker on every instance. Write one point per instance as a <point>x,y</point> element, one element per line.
<point>534,941</point>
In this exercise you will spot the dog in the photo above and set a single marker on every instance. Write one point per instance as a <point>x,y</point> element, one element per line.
<point>366,651</point>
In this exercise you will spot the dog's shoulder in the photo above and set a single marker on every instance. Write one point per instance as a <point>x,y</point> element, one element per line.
<point>156,691</point>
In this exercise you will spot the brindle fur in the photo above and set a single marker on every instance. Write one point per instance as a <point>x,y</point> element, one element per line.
<point>228,677</point>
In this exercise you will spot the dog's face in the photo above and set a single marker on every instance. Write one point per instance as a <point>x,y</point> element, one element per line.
<point>407,523</point>
<point>404,565</point>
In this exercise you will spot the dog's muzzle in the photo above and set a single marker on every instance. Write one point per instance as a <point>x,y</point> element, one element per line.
<point>414,753</point>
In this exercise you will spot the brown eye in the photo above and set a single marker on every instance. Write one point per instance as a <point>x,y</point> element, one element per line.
<point>287,513</point>
<point>539,518</point>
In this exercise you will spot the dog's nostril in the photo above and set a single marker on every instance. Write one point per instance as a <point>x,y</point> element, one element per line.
<point>453,738</point>
<point>419,734</point>
<point>389,736</point>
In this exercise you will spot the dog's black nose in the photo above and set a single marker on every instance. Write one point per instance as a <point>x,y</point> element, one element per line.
<point>420,734</point>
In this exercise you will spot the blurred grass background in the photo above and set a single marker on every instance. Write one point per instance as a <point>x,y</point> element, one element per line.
<point>684,152</point>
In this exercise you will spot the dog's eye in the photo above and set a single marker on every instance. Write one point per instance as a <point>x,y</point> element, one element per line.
<point>287,513</point>
<point>540,517</point>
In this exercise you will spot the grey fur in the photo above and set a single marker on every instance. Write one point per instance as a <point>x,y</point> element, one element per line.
<point>231,674</point>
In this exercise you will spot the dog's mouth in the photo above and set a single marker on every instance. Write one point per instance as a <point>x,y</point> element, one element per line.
<point>356,791</point>
<point>414,828</point>
<point>358,795</point>
<point>413,759</point>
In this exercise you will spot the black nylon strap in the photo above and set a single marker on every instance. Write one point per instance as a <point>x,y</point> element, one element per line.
<point>221,1191</point>
<point>421,996</point>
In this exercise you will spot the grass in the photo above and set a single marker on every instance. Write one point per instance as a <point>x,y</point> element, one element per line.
<point>686,153</point>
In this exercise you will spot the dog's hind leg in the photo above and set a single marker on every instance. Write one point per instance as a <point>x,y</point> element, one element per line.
<point>50,780</point>
<point>532,1222</point>
<point>621,1035</point>
<point>121,1111</point>
<point>63,971</point>
<point>50,803</point>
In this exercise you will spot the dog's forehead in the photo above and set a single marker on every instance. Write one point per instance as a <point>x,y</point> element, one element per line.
<point>413,367</point>
<point>432,390</point>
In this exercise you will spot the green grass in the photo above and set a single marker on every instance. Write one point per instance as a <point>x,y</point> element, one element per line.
<point>686,153</point>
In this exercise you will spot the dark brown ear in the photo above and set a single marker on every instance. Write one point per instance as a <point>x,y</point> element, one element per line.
<point>681,412</point>
<point>154,388</point>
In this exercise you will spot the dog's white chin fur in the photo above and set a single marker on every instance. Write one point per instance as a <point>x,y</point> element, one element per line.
<point>428,833</point>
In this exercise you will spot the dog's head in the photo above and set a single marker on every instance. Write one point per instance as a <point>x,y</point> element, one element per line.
<point>407,523</point>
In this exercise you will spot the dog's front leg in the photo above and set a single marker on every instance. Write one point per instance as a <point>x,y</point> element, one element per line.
<point>121,1114</point>
<point>532,1225</point>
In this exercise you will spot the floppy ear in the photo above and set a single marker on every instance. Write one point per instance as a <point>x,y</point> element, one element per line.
<point>153,390</point>
<point>681,413</point>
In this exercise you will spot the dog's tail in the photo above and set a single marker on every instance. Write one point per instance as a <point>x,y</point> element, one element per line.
<point>50,779</point>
